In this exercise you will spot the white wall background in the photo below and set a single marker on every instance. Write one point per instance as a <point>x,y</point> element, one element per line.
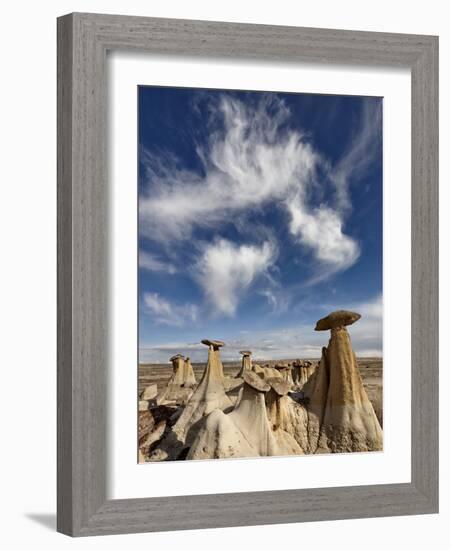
<point>28,269</point>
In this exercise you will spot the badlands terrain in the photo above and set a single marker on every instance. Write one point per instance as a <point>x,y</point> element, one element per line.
<point>262,408</point>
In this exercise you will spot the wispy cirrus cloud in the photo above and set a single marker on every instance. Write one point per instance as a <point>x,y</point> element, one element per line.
<point>278,299</point>
<point>150,262</point>
<point>249,161</point>
<point>225,270</point>
<point>165,312</point>
<point>360,154</point>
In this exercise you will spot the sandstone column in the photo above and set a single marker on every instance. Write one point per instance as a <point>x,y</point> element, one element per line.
<point>349,421</point>
<point>246,363</point>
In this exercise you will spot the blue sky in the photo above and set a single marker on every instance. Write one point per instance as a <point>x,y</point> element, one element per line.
<point>259,213</point>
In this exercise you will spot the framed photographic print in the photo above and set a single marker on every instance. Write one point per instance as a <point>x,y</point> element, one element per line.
<point>247,274</point>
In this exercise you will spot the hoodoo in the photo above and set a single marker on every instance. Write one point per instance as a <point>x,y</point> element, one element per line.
<point>316,391</point>
<point>209,395</point>
<point>349,422</point>
<point>178,369</point>
<point>214,347</point>
<point>243,432</point>
<point>286,373</point>
<point>287,419</point>
<point>286,409</point>
<point>180,385</point>
<point>337,319</point>
<point>189,376</point>
<point>246,365</point>
<point>301,372</point>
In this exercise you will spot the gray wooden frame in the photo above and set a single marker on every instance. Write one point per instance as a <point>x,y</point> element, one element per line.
<point>83,40</point>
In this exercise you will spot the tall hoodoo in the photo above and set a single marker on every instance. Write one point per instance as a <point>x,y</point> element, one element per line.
<point>189,376</point>
<point>214,357</point>
<point>243,432</point>
<point>209,395</point>
<point>179,387</point>
<point>178,369</point>
<point>349,422</point>
<point>246,365</point>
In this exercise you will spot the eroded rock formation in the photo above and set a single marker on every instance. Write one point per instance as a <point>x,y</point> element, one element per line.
<point>266,372</point>
<point>180,385</point>
<point>209,395</point>
<point>246,365</point>
<point>243,432</point>
<point>316,391</point>
<point>348,422</point>
<point>301,372</point>
<point>297,408</point>
<point>286,373</point>
<point>287,419</point>
<point>189,376</point>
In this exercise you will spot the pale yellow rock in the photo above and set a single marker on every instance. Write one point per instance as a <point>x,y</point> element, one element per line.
<point>143,405</point>
<point>244,432</point>
<point>349,420</point>
<point>316,391</point>
<point>246,364</point>
<point>340,318</point>
<point>209,395</point>
<point>233,388</point>
<point>141,457</point>
<point>265,414</point>
<point>153,436</point>
<point>220,438</point>
<point>301,372</point>
<point>286,373</point>
<point>180,385</point>
<point>150,392</point>
<point>178,370</point>
<point>288,419</point>
<point>189,376</point>
<point>215,344</point>
<point>267,372</point>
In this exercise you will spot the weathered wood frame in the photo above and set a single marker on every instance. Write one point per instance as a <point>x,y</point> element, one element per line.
<point>83,40</point>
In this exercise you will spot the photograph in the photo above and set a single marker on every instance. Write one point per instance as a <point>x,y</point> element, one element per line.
<point>260,274</point>
<point>223,268</point>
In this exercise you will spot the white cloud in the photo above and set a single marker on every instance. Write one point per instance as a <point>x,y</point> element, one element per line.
<point>321,231</point>
<point>165,312</point>
<point>150,262</point>
<point>225,270</point>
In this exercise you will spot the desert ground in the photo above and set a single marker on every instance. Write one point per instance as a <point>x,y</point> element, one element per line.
<point>266,408</point>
